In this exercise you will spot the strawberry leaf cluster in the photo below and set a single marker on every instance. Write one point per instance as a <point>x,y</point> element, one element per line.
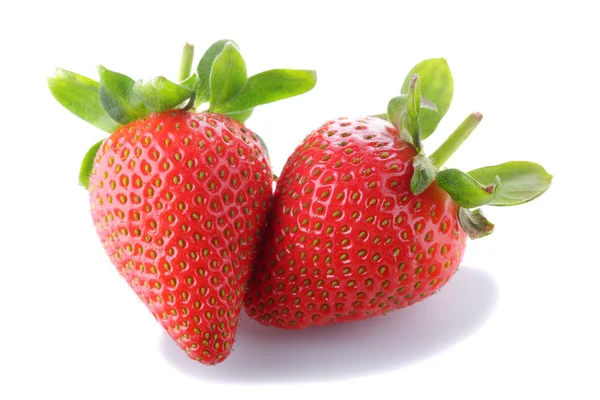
<point>425,98</point>
<point>220,82</point>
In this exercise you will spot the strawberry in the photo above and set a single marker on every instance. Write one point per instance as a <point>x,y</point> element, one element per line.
<point>179,198</point>
<point>363,222</point>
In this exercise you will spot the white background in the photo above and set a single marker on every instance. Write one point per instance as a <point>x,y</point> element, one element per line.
<point>519,320</point>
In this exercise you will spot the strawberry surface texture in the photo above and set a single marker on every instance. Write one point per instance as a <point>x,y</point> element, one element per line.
<point>347,239</point>
<point>179,197</point>
<point>362,222</point>
<point>179,201</point>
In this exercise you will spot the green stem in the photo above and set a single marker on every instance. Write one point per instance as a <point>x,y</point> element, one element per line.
<point>191,103</point>
<point>187,57</point>
<point>445,151</point>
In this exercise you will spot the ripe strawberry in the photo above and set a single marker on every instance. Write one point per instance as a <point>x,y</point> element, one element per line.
<point>363,222</point>
<point>179,198</point>
<point>347,239</point>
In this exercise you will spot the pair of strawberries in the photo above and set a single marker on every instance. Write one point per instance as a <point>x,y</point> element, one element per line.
<point>362,222</point>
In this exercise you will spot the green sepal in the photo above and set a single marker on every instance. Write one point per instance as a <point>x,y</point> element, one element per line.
<point>227,76</point>
<point>428,104</point>
<point>230,92</point>
<point>79,95</point>
<point>474,223</point>
<point>204,70</point>
<point>263,145</point>
<point>269,86</point>
<point>241,116</point>
<point>466,191</point>
<point>160,94</point>
<point>423,175</point>
<point>191,82</point>
<point>118,97</point>
<point>522,181</point>
<point>396,114</point>
<point>384,117</point>
<point>87,164</point>
<point>437,87</point>
<point>413,111</point>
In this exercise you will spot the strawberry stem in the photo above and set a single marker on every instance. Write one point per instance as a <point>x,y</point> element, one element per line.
<point>187,57</point>
<point>445,151</point>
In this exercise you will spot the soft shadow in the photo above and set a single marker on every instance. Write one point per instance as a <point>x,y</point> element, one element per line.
<point>381,344</point>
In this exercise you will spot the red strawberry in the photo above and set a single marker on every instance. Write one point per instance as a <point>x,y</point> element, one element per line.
<point>179,198</point>
<point>364,223</point>
<point>347,239</point>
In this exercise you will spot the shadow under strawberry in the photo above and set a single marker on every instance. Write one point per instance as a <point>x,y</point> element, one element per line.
<point>338,352</point>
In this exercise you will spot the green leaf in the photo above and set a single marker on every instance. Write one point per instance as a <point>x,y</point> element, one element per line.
<point>79,95</point>
<point>241,116</point>
<point>414,111</point>
<point>88,164</point>
<point>466,191</point>
<point>160,94</point>
<point>269,86</point>
<point>397,114</point>
<point>474,223</point>
<point>437,86</point>
<point>263,145</point>
<point>118,97</point>
<point>384,117</point>
<point>400,103</point>
<point>227,77</point>
<point>191,82</point>
<point>397,110</point>
<point>428,104</point>
<point>522,181</point>
<point>423,175</point>
<point>205,67</point>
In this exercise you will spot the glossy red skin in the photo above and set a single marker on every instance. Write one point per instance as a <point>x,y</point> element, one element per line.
<point>180,220</point>
<point>369,262</point>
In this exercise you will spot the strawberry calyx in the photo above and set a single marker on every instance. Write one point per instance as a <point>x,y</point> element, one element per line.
<point>220,83</point>
<point>425,98</point>
<point>220,80</point>
<point>87,164</point>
